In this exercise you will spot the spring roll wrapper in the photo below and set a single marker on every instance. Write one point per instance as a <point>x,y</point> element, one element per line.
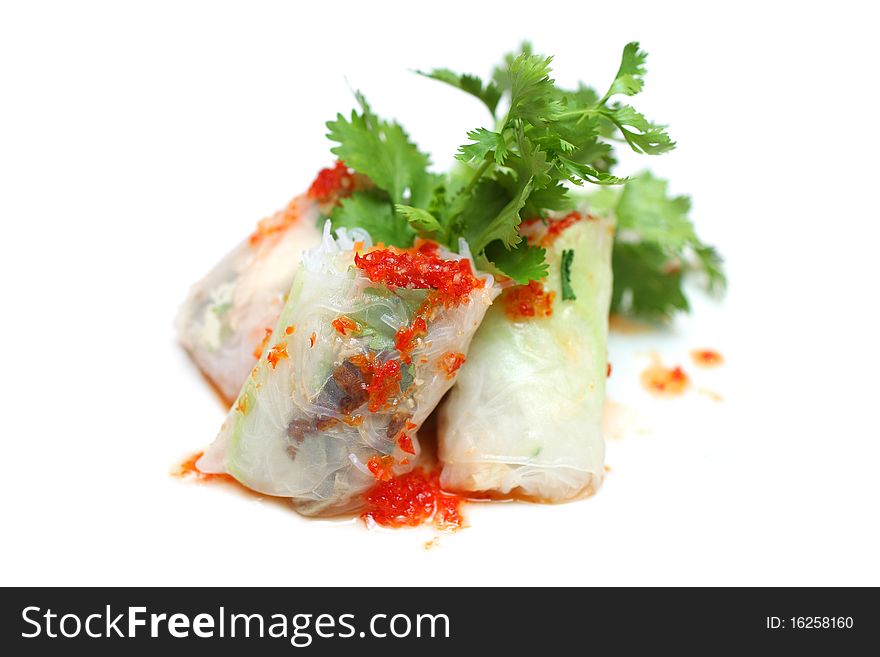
<point>524,417</point>
<point>270,441</point>
<point>224,319</point>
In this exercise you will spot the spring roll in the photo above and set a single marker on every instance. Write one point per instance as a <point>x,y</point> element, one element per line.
<point>228,315</point>
<point>368,342</point>
<point>524,418</point>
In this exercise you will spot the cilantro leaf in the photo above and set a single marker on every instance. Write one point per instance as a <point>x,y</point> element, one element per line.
<point>630,76</point>
<point>531,90</point>
<point>477,208</point>
<point>595,118</point>
<point>645,283</point>
<point>532,162</point>
<point>484,143</point>
<point>501,73</point>
<point>421,220</point>
<point>383,152</point>
<point>711,263</point>
<point>523,263</point>
<point>376,216</point>
<point>503,226</point>
<point>655,247</point>
<point>647,138</point>
<point>490,94</point>
<point>580,173</point>
<point>394,209</point>
<point>554,197</point>
<point>646,209</point>
<point>565,275</point>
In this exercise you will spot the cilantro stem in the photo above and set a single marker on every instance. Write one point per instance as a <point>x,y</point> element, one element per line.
<point>476,178</point>
<point>580,112</point>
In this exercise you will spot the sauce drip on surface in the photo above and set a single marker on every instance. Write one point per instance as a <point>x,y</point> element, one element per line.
<point>707,357</point>
<point>188,470</point>
<point>412,499</point>
<point>665,381</point>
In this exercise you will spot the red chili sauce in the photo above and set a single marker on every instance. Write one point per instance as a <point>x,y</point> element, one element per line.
<point>333,184</point>
<point>410,500</point>
<point>406,336</point>
<point>420,268</point>
<point>382,379</point>
<point>545,231</point>
<point>528,301</point>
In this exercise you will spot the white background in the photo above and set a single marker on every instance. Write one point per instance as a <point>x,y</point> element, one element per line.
<point>140,141</point>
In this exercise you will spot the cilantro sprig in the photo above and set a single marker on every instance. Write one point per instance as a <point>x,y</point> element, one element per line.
<point>383,152</point>
<point>549,138</point>
<point>543,141</point>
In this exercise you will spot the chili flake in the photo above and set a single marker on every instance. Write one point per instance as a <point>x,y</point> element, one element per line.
<point>406,336</point>
<point>406,444</point>
<point>344,325</point>
<point>450,362</point>
<point>380,467</point>
<point>277,353</point>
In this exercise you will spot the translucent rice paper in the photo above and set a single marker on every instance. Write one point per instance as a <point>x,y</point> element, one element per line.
<point>224,319</point>
<point>524,418</point>
<point>289,433</point>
